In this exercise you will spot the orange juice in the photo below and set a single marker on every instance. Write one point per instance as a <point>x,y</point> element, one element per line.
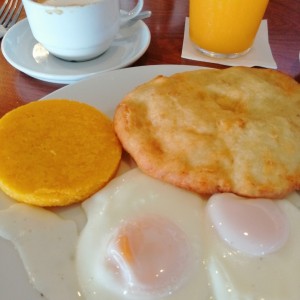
<point>225,26</point>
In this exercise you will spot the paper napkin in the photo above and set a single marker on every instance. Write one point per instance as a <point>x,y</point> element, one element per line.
<point>259,55</point>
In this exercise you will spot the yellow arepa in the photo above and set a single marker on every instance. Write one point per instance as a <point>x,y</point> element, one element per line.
<point>56,152</point>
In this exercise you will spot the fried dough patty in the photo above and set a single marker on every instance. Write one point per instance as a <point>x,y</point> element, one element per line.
<point>234,130</point>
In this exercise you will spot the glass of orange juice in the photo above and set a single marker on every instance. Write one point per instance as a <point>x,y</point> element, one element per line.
<point>225,28</point>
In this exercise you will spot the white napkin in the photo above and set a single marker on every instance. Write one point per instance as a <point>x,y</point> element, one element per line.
<point>259,55</point>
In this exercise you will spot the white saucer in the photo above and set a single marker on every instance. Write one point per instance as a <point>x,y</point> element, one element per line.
<point>20,49</point>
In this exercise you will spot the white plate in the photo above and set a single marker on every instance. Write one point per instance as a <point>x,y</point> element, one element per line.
<point>23,52</point>
<point>103,91</point>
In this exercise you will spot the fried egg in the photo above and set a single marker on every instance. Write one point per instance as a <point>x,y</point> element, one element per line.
<point>144,239</point>
<point>140,238</point>
<point>253,247</point>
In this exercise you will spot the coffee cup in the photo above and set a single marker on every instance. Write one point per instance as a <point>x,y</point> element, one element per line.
<point>77,30</point>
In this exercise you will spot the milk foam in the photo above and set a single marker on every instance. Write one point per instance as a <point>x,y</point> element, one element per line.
<point>65,2</point>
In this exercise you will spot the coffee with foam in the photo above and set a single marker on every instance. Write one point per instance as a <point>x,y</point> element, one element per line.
<point>77,30</point>
<point>65,2</point>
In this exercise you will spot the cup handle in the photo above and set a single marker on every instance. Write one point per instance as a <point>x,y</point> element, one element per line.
<point>125,16</point>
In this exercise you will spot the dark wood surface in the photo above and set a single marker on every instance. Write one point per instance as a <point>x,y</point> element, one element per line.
<point>167,26</point>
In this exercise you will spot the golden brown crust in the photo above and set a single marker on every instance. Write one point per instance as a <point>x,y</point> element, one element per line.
<point>56,152</point>
<point>234,130</point>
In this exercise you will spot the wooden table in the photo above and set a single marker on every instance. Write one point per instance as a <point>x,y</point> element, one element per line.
<point>167,26</point>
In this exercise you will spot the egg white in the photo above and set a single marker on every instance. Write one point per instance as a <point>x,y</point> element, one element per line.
<point>46,244</point>
<point>61,267</point>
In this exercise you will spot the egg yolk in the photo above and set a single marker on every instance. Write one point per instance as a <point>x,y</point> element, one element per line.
<point>253,226</point>
<point>149,256</point>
